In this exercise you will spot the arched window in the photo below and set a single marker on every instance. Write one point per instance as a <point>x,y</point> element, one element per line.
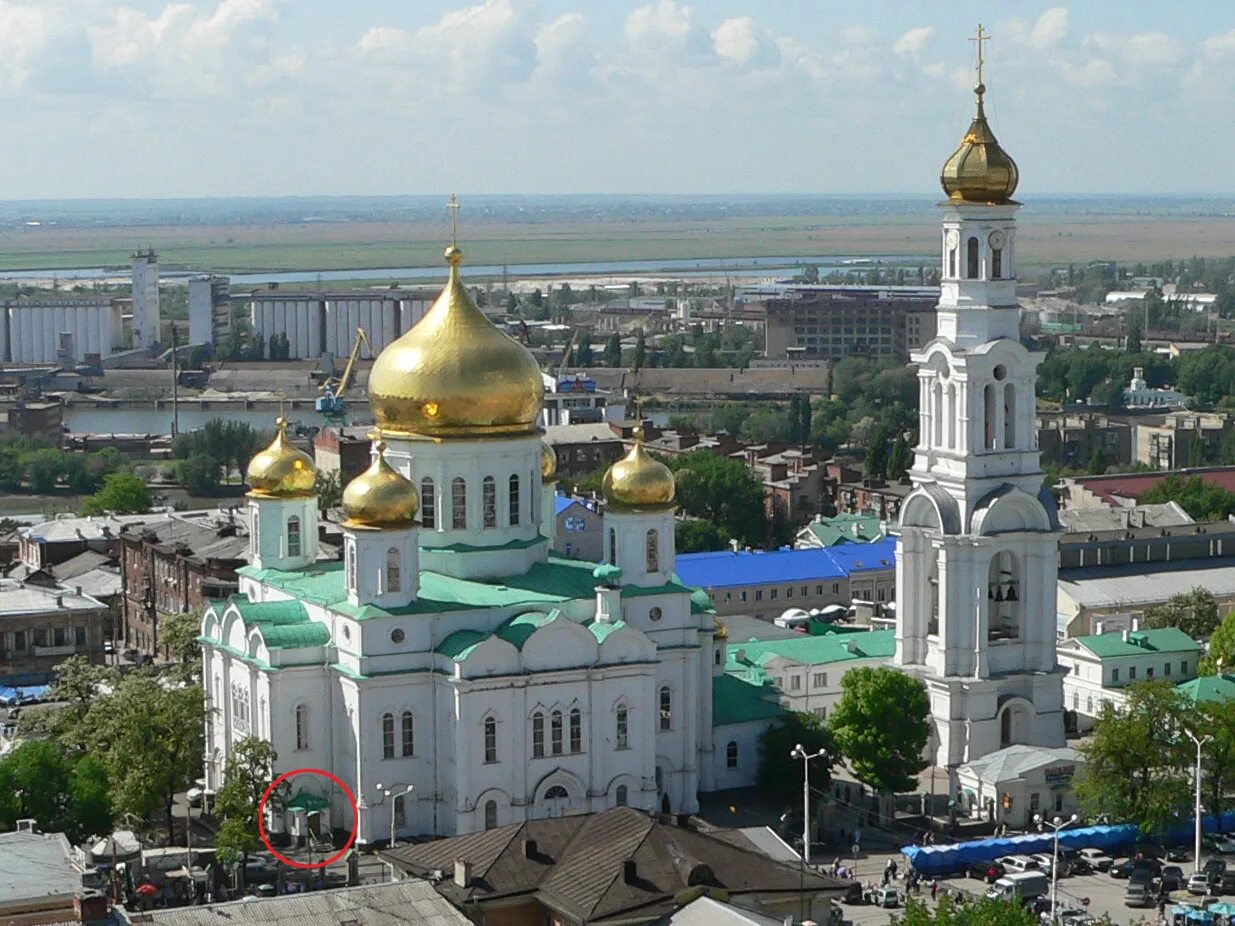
<point>488,500</point>
<point>1003,598</point>
<point>621,795</point>
<point>458,503</point>
<point>731,755</point>
<point>652,548</point>
<point>996,263</point>
<point>953,415</point>
<point>302,726</point>
<point>428,503</point>
<point>612,547</point>
<point>393,578</point>
<point>388,736</point>
<point>557,793</point>
<point>490,815</point>
<point>952,255</point>
<point>513,495</point>
<point>988,418</point>
<point>937,412</point>
<point>576,730</point>
<point>255,523</point>
<point>490,726</point>
<point>555,732</point>
<point>293,536</point>
<point>349,554</point>
<point>666,708</point>
<point>1009,416</point>
<point>971,259</point>
<point>409,734</point>
<point>622,731</point>
<point>538,735</point>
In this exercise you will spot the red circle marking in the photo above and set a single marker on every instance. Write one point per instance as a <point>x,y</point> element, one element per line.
<point>261,819</point>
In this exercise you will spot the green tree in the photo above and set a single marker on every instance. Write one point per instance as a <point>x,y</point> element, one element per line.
<point>780,776</point>
<point>122,493</point>
<point>880,725</point>
<point>329,488</point>
<point>695,535</point>
<point>1220,657</point>
<point>1135,764</point>
<point>1194,612</point>
<point>613,351</point>
<point>178,636</point>
<point>641,350</point>
<point>247,775</point>
<point>1216,719</point>
<point>876,465</point>
<point>982,912</point>
<point>1202,500</point>
<point>199,474</point>
<point>89,799</point>
<point>723,492</point>
<point>900,459</point>
<point>42,469</point>
<point>1099,461</point>
<point>38,779</point>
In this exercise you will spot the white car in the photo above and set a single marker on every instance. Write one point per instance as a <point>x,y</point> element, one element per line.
<point>1225,845</point>
<point>1097,859</point>
<point>1018,863</point>
<point>1045,861</point>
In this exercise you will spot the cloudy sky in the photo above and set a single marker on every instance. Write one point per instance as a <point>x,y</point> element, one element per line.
<point>252,97</point>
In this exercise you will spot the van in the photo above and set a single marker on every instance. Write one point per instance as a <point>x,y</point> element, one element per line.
<point>1020,887</point>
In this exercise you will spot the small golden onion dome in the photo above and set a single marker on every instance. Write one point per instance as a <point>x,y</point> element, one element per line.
<point>979,171</point>
<point>454,374</point>
<point>281,470</point>
<point>548,462</point>
<point>638,481</point>
<point>722,632</point>
<point>380,496</point>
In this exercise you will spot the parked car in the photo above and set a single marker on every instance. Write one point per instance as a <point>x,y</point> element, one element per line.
<point>1045,860</point>
<point>1079,864</point>
<point>1016,864</point>
<point>1124,869</point>
<point>886,896</point>
<point>1201,882</point>
<point>1225,845</point>
<point>1214,866</point>
<point>1172,880</point>
<point>1138,894</point>
<point>985,871</point>
<point>1178,854</point>
<point>1226,882</point>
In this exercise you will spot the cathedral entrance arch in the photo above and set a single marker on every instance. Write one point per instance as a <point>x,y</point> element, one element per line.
<point>559,794</point>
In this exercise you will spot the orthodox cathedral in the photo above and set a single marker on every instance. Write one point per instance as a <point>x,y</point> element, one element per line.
<point>450,651</point>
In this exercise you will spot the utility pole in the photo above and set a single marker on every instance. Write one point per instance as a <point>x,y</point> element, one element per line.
<point>175,387</point>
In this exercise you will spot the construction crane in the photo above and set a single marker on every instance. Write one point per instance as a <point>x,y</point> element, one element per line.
<point>561,367</point>
<point>332,404</point>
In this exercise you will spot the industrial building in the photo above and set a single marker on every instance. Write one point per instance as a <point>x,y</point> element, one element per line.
<point>60,329</point>
<point>145,299</point>
<point>325,323</point>
<point>210,309</point>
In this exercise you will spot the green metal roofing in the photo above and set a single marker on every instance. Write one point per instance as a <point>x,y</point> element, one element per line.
<point>847,528</point>
<point>1208,689</point>
<point>268,612</point>
<point>736,701</point>
<point>460,643</point>
<point>700,603</point>
<point>1139,642</point>
<point>517,630</point>
<point>814,651</point>
<point>296,636</point>
<point>602,629</point>
<point>308,802</point>
<point>474,548</point>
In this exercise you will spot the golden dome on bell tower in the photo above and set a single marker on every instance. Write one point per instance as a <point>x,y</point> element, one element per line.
<point>639,481</point>
<point>548,462</point>
<point>979,171</point>
<point>282,470</point>
<point>380,496</point>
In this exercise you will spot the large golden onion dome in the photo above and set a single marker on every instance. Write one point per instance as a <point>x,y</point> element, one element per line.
<point>454,374</point>
<point>638,481</point>
<point>380,496</point>
<point>282,470</point>
<point>979,171</point>
<point>548,462</point>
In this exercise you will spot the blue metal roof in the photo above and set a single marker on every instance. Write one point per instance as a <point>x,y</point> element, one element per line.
<point>726,569</point>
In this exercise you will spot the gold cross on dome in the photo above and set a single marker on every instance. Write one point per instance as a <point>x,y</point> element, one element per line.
<point>981,38</point>
<point>453,205</point>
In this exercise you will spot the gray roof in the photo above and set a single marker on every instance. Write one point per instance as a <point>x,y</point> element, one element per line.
<point>1012,762</point>
<point>743,629</point>
<point>766,841</point>
<point>17,598</point>
<point>595,432</point>
<point>1137,585</point>
<point>74,527</point>
<point>401,903</point>
<point>86,561</point>
<point>37,865</point>
<point>1090,520</point>
<point>704,911</point>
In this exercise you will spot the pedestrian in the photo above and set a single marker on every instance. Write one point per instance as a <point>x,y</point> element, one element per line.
<point>934,888</point>
<point>895,868</point>
<point>886,874</point>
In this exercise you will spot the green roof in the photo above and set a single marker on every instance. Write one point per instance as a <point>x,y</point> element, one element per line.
<point>460,643</point>
<point>308,802</point>
<point>602,629</point>
<point>1139,642</point>
<point>814,651</point>
<point>516,630</point>
<point>296,636</point>
<point>736,701</point>
<point>283,624</point>
<point>268,613</point>
<point>1208,689</point>
<point>847,528</point>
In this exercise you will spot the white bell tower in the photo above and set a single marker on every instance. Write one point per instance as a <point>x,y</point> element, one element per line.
<point>976,559</point>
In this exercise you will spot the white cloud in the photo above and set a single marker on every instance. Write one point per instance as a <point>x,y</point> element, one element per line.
<point>914,42</point>
<point>562,46</point>
<point>1097,72</point>
<point>736,40</point>
<point>858,35</point>
<point>661,25</point>
<point>1217,46</point>
<point>1050,29</point>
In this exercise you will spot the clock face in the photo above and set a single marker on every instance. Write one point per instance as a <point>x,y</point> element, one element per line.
<point>996,239</point>
<point>952,239</point>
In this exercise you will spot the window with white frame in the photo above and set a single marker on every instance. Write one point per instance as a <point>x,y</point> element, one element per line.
<point>622,731</point>
<point>408,731</point>
<point>388,736</point>
<point>302,727</point>
<point>666,708</point>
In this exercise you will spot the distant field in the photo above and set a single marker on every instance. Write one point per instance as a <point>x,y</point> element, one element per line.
<point>1044,239</point>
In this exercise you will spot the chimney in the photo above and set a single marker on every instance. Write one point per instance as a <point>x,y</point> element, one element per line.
<point>90,907</point>
<point>463,873</point>
<point>1136,623</point>
<point>529,849</point>
<point>629,873</point>
<point>1124,635</point>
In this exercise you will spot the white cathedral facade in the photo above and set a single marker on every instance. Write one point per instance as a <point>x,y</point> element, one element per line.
<point>450,651</point>
<point>977,555</point>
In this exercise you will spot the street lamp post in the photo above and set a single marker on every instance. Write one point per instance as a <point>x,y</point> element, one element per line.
<point>389,794</point>
<point>1057,824</point>
<point>1200,741</point>
<point>799,753</point>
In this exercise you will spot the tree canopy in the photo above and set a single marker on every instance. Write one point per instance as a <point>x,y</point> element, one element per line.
<point>1220,657</point>
<point>1194,612</point>
<point>249,771</point>
<point>880,725</point>
<point>61,792</point>
<point>780,776</point>
<point>723,492</point>
<point>982,912</point>
<point>1204,501</point>
<point>122,493</point>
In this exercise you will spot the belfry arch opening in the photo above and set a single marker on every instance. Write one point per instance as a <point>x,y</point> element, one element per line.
<point>1003,594</point>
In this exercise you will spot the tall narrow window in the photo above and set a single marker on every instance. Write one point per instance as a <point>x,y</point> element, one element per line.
<point>490,740</point>
<point>988,402</point>
<point>488,499</point>
<point>393,578</point>
<point>937,412</point>
<point>622,733</point>
<point>458,503</point>
<point>666,708</point>
<point>490,815</point>
<point>622,795</point>
<point>302,726</point>
<point>555,732</point>
<point>538,735</point>
<point>652,547</point>
<point>428,503</point>
<point>952,254</point>
<point>514,500</point>
<point>731,755</point>
<point>971,260</point>
<point>1009,416</point>
<point>576,730</point>
<point>953,416</point>
<point>293,536</point>
<point>349,554</point>
<point>409,734</point>
<point>996,263</point>
<point>388,736</point>
<point>612,547</point>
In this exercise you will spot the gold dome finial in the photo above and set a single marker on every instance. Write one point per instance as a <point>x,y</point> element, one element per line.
<point>381,496</point>
<point>980,171</point>
<point>548,462</point>
<point>282,470</point>
<point>638,481</point>
<point>454,374</point>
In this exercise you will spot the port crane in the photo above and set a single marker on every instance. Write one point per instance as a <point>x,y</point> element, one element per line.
<point>332,404</point>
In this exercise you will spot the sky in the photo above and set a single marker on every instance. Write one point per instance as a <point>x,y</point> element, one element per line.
<point>173,98</point>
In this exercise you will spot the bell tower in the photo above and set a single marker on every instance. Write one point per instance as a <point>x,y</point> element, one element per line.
<point>976,558</point>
